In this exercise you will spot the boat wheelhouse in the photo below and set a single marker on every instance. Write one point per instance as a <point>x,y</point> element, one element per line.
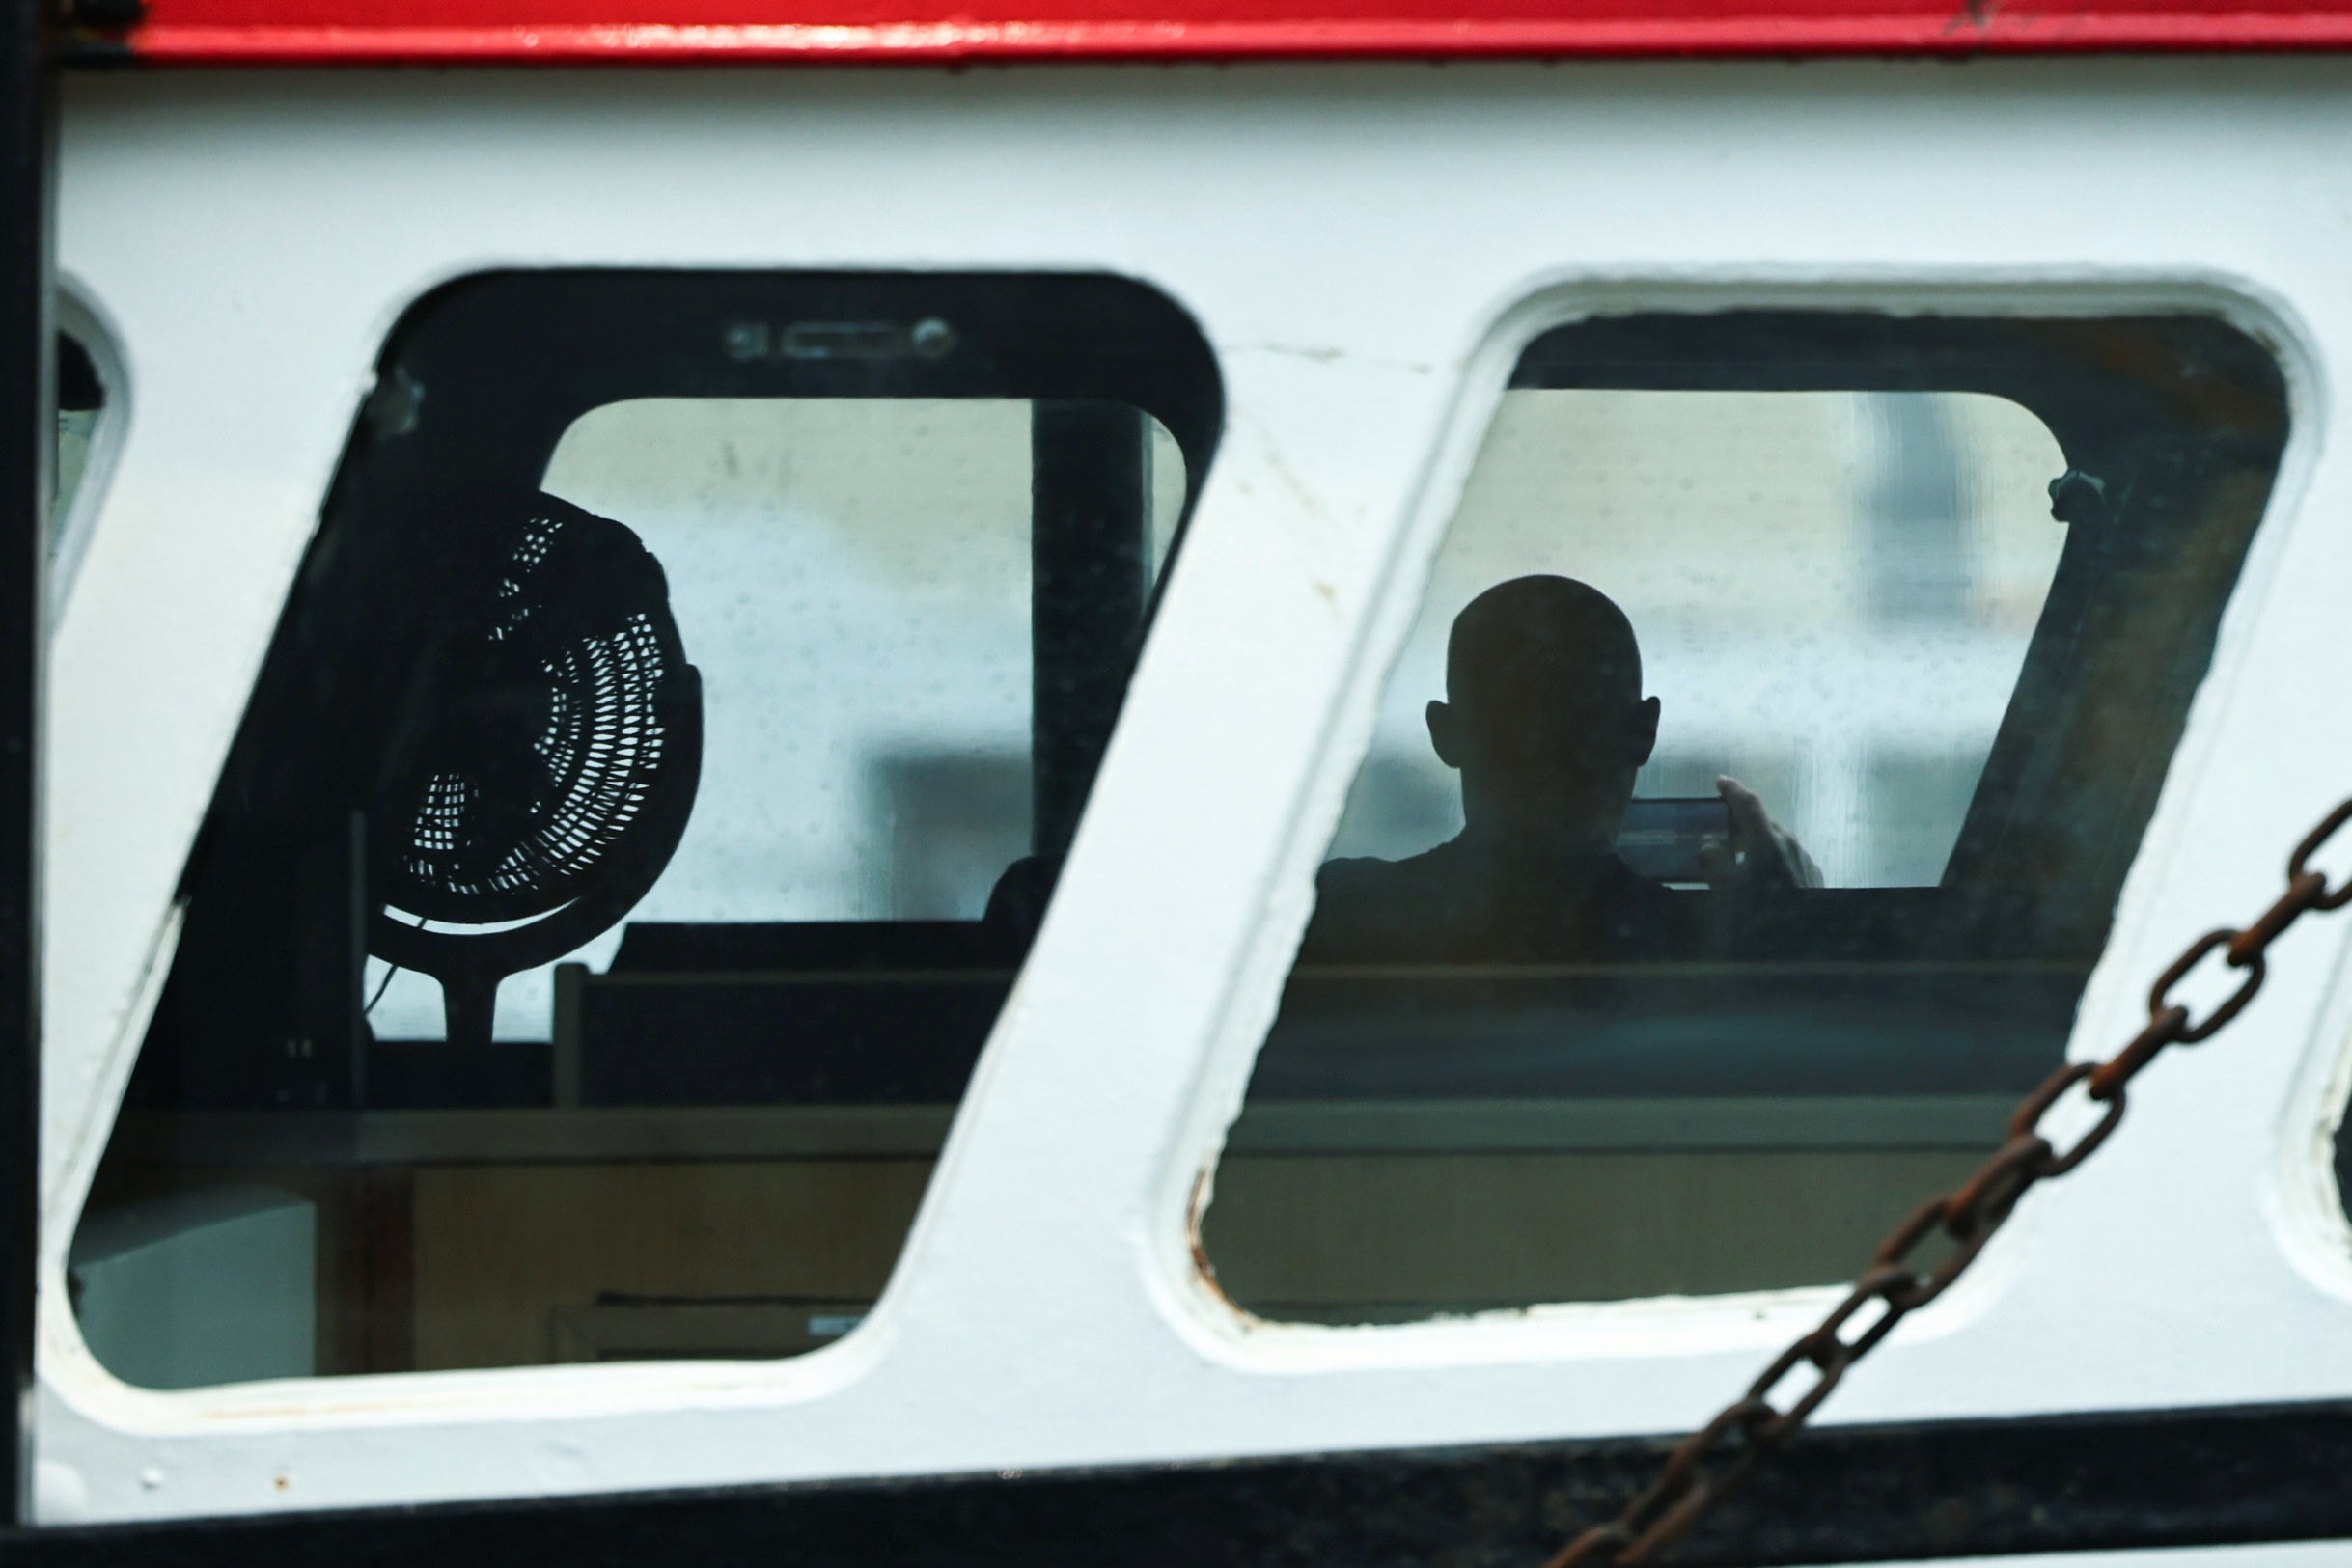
<point>762,800</point>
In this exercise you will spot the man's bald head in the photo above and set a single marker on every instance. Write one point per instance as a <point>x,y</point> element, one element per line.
<point>1555,631</point>
<point>1545,716</point>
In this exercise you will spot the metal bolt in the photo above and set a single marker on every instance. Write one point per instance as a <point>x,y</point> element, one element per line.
<point>931,338</point>
<point>746,339</point>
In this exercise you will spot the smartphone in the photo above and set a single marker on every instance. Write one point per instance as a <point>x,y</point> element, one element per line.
<point>1662,839</point>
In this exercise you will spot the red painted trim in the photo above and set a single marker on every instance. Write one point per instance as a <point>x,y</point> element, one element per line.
<point>450,32</point>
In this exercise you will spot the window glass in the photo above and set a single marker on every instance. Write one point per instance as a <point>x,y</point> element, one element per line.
<point>1784,556</point>
<point>641,819</point>
<point>1747,805</point>
<point>858,576</point>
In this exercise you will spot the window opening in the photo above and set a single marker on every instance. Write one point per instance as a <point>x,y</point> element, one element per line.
<point>684,710</point>
<point>1577,1020</point>
<point>88,430</point>
<point>80,399</point>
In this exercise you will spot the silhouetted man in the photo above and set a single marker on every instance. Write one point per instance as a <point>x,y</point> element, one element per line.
<point>1545,721</point>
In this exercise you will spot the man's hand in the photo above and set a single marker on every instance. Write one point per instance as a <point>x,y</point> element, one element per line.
<point>1760,853</point>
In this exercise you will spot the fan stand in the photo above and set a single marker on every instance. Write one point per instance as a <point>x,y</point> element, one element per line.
<point>469,1001</point>
<point>469,966</point>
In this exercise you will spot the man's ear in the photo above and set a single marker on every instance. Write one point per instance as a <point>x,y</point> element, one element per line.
<point>1644,729</point>
<point>1445,733</point>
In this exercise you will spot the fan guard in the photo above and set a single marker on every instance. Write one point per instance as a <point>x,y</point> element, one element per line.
<point>553,773</point>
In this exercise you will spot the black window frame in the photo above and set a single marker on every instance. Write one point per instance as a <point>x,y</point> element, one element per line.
<point>476,384</point>
<point>2120,393</point>
<point>2162,411</point>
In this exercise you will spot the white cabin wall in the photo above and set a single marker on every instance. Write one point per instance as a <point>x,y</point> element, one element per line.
<point>1361,246</point>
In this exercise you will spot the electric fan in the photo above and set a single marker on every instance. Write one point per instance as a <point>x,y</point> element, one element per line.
<point>552,770</point>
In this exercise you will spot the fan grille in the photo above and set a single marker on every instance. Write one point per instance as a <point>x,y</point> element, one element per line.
<point>528,784</point>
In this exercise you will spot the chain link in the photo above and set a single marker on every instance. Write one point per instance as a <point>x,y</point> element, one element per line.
<point>1713,1461</point>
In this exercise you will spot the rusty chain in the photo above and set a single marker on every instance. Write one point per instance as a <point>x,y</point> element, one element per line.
<point>1713,1461</point>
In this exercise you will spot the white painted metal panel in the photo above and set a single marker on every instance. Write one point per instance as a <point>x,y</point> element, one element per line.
<point>1366,249</point>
